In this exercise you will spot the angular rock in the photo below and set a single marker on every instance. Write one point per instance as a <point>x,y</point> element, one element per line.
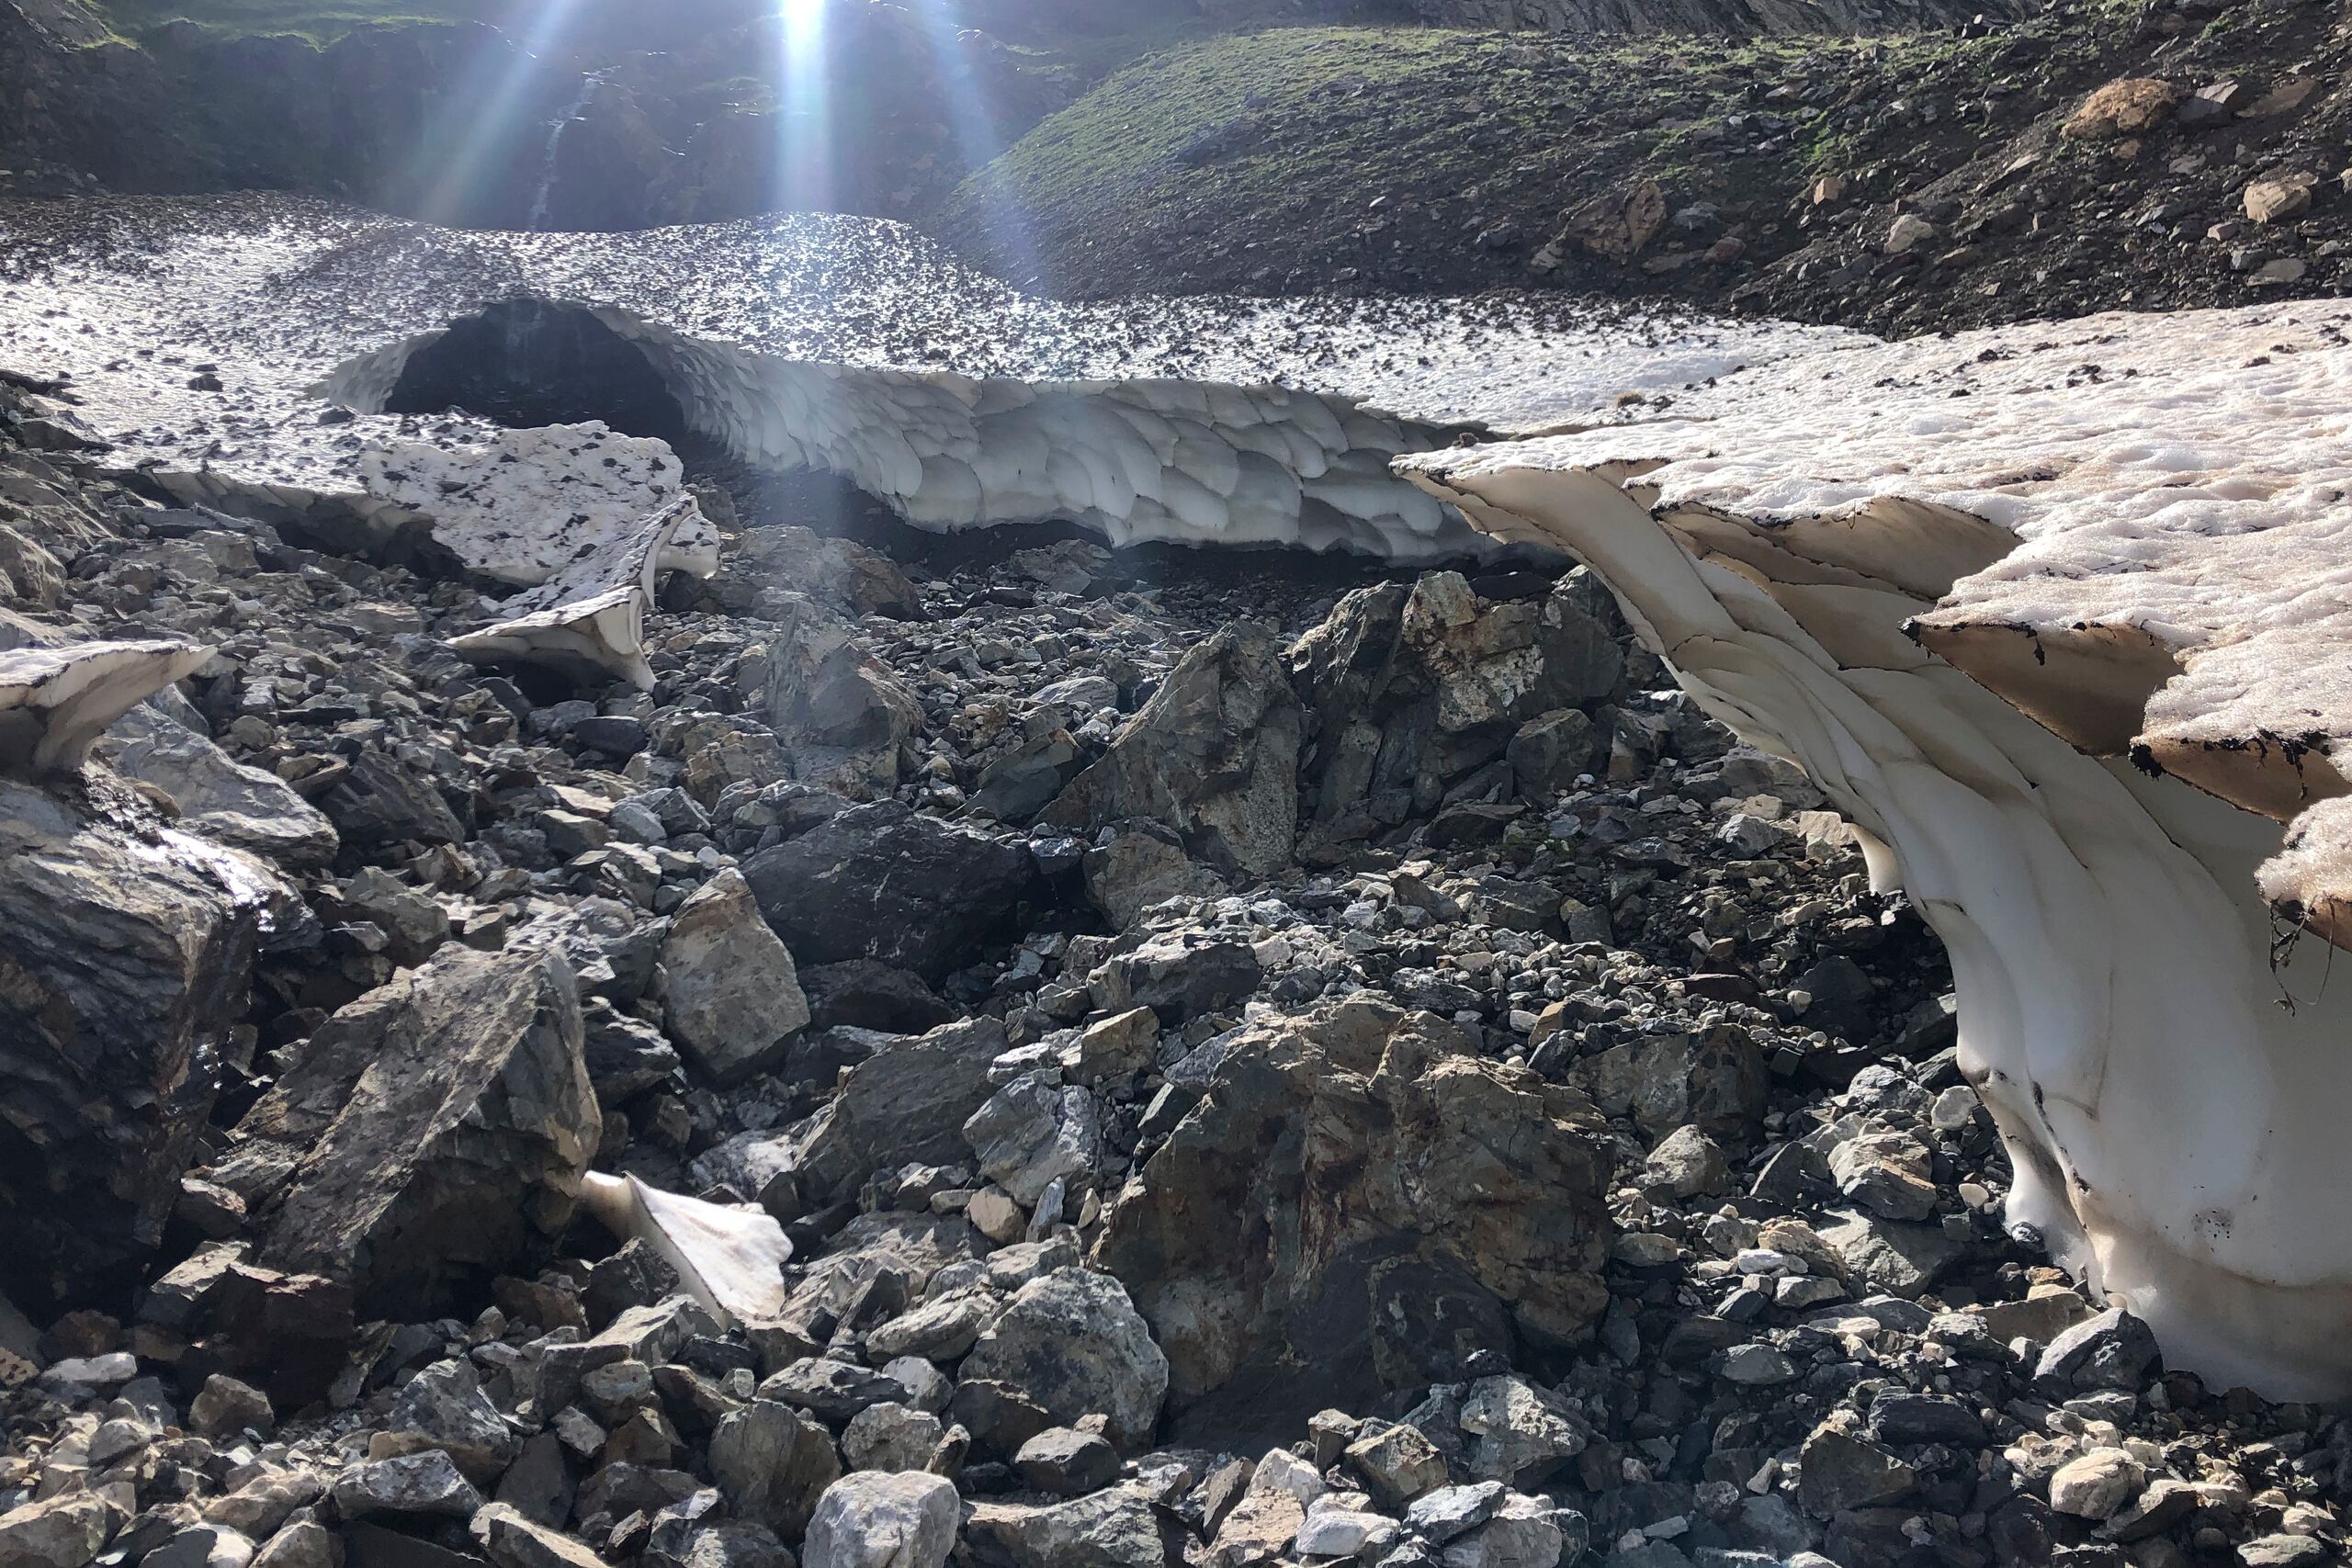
<point>733,996</point>
<point>879,882</point>
<point>426,1484</point>
<point>512,1540</point>
<point>1031,1134</point>
<point>434,1132</point>
<point>224,1407</point>
<point>773,1463</point>
<point>905,1104</point>
<point>839,714</point>
<point>1066,1462</point>
<point>1329,1142</point>
<point>109,1070</point>
<point>444,1408</point>
<point>1074,1342</point>
<point>872,1520</point>
<point>1118,1528</point>
<point>1213,755</point>
<point>220,798</point>
<point>65,1531</point>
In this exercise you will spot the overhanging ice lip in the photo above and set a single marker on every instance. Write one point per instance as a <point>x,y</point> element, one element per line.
<point>2118,547</point>
<point>849,343</point>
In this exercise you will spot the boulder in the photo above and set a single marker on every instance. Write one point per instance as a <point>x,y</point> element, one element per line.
<point>772,1465</point>
<point>1074,1343</point>
<point>1118,1528</point>
<point>218,797</point>
<point>907,1103</point>
<point>433,1134</point>
<point>1143,864</point>
<point>839,713</point>
<point>512,1540</point>
<point>108,1070</point>
<point>444,1408</point>
<point>733,997</point>
<point>880,1519</point>
<point>1213,755</point>
<point>1409,690</point>
<point>1332,1143</point>
<point>65,1531</point>
<point>1033,1133</point>
<point>880,882</point>
<point>381,802</point>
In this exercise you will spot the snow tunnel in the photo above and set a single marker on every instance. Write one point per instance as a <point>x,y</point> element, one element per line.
<point>1134,460</point>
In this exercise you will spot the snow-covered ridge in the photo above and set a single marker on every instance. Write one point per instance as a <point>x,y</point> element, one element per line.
<point>2119,548</point>
<point>848,344</point>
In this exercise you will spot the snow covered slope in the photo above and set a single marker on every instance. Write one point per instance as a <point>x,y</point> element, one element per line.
<point>848,344</point>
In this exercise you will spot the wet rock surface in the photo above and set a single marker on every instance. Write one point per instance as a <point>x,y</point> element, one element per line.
<point>1288,1063</point>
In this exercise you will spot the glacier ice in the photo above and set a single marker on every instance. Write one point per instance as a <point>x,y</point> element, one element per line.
<point>55,701</point>
<point>2055,615</point>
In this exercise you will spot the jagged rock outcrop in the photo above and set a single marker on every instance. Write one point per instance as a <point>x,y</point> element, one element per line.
<point>1411,692</point>
<point>1340,1158</point>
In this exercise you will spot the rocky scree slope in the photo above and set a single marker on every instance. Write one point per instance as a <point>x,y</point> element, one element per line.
<point>1928,182</point>
<point>1378,1083</point>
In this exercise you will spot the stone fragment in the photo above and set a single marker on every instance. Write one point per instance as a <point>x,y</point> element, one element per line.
<point>1213,755</point>
<point>65,1531</point>
<point>879,882</point>
<point>512,1540</point>
<point>1231,1251</point>
<point>436,1130</point>
<point>1066,1462</point>
<point>107,1069</point>
<point>1075,1343</point>
<point>872,1519</point>
<point>424,1484</point>
<point>224,1407</point>
<point>773,1463</point>
<point>733,997</point>
<point>2097,1484</point>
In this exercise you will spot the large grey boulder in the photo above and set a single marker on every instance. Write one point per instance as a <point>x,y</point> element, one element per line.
<point>880,882</point>
<point>906,1103</point>
<point>434,1133</point>
<point>1075,1345</point>
<point>219,797</point>
<point>1213,755</point>
<point>1349,1169</point>
<point>126,960</point>
<point>883,1520</point>
<point>1118,1528</point>
<point>839,713</point>
<point>1033,1133</point>
<point>734,999</point>
<point>772,1465</point>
